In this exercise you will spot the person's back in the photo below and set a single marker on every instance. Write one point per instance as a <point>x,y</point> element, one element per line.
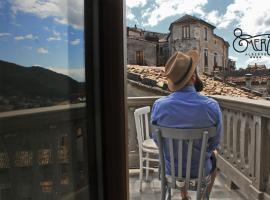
<point>186,108</point>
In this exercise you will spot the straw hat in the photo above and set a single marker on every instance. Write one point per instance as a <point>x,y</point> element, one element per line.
<point>180,67</point>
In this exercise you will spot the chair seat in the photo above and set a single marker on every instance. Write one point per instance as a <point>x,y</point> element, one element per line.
<point>192,183</point>
<point>150,144</point>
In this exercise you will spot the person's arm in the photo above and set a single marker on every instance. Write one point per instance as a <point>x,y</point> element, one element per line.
<point>216,115</point>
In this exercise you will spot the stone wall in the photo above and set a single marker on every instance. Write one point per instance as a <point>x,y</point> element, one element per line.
<point>148,48</point>
<point>163,53</point>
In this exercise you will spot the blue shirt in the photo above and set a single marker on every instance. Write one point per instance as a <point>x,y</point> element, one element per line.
<point>186,108</point>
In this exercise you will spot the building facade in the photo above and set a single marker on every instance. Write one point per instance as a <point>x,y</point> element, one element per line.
<point>186,33</point>
<point>191,33</point>
<point>146,48</point>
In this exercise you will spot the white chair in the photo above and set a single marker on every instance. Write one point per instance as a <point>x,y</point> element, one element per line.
<point>148,150</point>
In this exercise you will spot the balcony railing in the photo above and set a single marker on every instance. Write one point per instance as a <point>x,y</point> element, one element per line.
<point>42,153</point>
<point>41,148</point>
<point>244,156</point>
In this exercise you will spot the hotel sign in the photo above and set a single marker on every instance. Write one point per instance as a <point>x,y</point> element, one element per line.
<point>258,44</point>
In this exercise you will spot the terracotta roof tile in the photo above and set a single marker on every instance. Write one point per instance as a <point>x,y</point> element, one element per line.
<point>212,87</point>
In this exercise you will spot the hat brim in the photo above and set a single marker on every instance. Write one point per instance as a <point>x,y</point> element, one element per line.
<point>195,60</point>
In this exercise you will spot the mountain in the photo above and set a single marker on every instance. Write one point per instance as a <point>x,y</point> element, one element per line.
<point>35,81</point>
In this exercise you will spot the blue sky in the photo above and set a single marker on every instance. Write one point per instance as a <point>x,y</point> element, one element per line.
<point>49,33</point>
<point>44,33</point>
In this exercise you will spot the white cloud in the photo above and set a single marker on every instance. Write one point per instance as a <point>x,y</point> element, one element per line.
<point>63,11</point>
<point>56,36</point>
<point>26,37</point>
<point>75,42</point>
<point>213,17</point>
<point>54,39</point>
<point>42,50</point>
<point>136,3</point>
<point>165,8</point>
<point>76,73</point>
<point>233,58</point>
<point>129,14</point>
<point>252,16</point>
<point>30,37</point>
<point>5,34</point>
<point>19,38</point>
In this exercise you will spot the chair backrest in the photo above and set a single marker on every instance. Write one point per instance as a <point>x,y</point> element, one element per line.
<point>180,136</point>
<point>142,124</point>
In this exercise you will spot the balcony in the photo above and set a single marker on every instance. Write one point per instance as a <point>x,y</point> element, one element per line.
<point>42,150</point>
<point>244,162</point>
<point>42,154</point>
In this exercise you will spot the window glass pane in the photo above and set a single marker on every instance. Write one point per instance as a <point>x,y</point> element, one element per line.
<point>42,100</point>
<point>205,34</point>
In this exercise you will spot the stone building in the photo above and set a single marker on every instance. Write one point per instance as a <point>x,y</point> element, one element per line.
<point>189,32</point>
<point>186,33</point>
<point>146,48</point>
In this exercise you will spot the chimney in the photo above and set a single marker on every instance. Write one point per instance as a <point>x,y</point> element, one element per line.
<point>248,81</point>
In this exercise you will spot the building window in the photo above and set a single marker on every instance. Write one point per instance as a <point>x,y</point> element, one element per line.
<point>139,57</point>
<point>223,62</point>
<point>205,34</point>
<point>186,31</point>
<point>215,59</point>
<point>205,60</point>
<point>161,51</point>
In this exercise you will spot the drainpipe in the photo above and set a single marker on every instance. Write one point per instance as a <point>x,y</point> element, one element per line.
<point>268,86</point>
<point>248,81</point>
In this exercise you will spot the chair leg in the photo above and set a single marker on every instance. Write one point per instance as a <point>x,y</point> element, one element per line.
<point>168,193</point>
<point>163,189</point>
<point>206,194</point>
<point>141,170</point>
<point>159,172</point>
<point>147,167</point>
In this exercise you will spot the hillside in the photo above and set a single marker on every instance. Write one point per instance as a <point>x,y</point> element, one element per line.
<point>35,81</point>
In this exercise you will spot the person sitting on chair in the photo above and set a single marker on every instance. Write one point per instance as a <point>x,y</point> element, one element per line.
<point>185,107</point>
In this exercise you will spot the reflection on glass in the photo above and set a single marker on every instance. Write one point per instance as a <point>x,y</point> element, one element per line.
<point>42,100</point>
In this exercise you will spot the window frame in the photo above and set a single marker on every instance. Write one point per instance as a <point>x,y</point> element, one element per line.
<point>205,34</point>
<point>206,59</point>
<point>215,59</point>
<point>105,55</point>
<point>186,31</point>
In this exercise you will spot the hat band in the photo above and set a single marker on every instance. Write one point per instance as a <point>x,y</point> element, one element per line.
<point>190,64</point>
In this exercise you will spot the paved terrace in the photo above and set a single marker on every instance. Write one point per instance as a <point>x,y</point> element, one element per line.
<point>151,190</point>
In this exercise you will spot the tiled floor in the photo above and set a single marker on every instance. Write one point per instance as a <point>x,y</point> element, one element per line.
<point>151,190</point>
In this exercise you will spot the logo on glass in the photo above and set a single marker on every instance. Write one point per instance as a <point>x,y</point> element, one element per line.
<point>258,45</point>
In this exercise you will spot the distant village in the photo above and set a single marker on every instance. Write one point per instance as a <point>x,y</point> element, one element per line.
<point>152,49</point>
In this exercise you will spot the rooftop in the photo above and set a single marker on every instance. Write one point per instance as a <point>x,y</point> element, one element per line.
<point>154,77</point>
<point>190,17</point>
